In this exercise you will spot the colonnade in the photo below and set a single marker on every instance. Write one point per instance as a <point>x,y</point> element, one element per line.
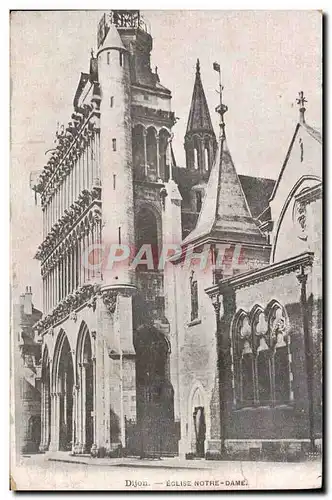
<point>151,152</point>
<point>82,168</point>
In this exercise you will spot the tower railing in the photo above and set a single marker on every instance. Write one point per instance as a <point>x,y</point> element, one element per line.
<point>129,19</point>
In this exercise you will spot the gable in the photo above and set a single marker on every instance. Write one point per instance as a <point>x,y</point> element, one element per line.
<point>303,161</point>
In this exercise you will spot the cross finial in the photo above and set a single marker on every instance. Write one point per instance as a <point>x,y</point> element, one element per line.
<point>301,100</point>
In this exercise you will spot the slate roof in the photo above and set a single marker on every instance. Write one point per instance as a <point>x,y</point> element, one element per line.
<point>257,191</point>
<point>225,213</point>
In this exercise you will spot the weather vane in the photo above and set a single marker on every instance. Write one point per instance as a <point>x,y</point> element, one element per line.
<point>301,100</point>
<point>221,108</point>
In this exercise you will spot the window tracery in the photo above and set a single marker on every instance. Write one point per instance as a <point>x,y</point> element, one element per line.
<point>262,358</point>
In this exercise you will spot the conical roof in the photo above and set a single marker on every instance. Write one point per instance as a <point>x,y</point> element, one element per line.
<point>225,214</point>
<point>199,115</point>
<point>112,38</point>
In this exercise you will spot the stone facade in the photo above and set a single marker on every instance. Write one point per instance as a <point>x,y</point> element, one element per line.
<point>132,355</point>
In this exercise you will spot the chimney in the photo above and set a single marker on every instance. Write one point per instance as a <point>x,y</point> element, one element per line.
<point>28,301</point>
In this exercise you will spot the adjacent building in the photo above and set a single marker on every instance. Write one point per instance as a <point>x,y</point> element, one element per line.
<point>26,367</point>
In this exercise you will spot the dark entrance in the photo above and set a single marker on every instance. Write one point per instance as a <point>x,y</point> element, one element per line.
<point>156,430</point>
<point>34,433</point>
<point>66,382</point>
<point>200,428</point>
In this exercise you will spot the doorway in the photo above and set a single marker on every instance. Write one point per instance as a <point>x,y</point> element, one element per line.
<point>200,431</point>
<point>66,383</point>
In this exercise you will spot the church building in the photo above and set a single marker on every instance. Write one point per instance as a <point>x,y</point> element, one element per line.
<point>182,304</point>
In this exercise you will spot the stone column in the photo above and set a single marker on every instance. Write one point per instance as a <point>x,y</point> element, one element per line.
<point>74,418</point>
<point>83,413</point>
<point>158,158</point>
<point>88,239</point>
<point>172,234</point>
<point>93,335</point>
<point>308,352</point>
<point>145,153</point>
<point>79,410</point>
<point>55,426</point>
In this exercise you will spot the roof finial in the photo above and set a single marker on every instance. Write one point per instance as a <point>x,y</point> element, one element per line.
<point>198,66</point>
<point>221,108</point>
<point>301,100</point>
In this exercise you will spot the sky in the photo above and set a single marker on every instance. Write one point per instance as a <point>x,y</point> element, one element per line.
<point>266,57</point>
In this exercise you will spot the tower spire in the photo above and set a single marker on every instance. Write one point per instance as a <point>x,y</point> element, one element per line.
<point>200,140</point>
<point>225,215</point>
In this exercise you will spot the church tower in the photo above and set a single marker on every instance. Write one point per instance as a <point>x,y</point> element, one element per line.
<point>200,140</point>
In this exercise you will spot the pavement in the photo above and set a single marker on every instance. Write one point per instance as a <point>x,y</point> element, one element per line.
<point>164,463</point>
<point>59,471</point>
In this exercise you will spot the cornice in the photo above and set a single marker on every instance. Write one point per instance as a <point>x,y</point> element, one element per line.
<point>263,274</point>
<point>88,202</point>
<point>69,144</point>
<point>140,111</point>
<point>310,194</point>
<point>86,295</point>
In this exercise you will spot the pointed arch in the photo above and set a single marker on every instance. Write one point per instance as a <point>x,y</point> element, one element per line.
<point>243,359</point>
<point>62,389</point>
<point>255,310</point>
<point>163,137</point>
<point>281,357</point>
<point>272,305</point>
<point>56,356</point>
<point>240,313</point>
<point>82,332</point>
<point>198,405</point>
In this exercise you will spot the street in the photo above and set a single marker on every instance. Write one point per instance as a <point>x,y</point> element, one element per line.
<point>62,472</point>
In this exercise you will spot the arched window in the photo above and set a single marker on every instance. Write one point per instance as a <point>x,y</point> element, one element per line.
<point>193,297</point>
<point>151,153</point>
<point>207,158</point>
<point>281,356</point>
<point>263,359</point>
<point>138,152</point>
<point>163,144</point>
<point>246,362</point>
<point>195,158</point>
